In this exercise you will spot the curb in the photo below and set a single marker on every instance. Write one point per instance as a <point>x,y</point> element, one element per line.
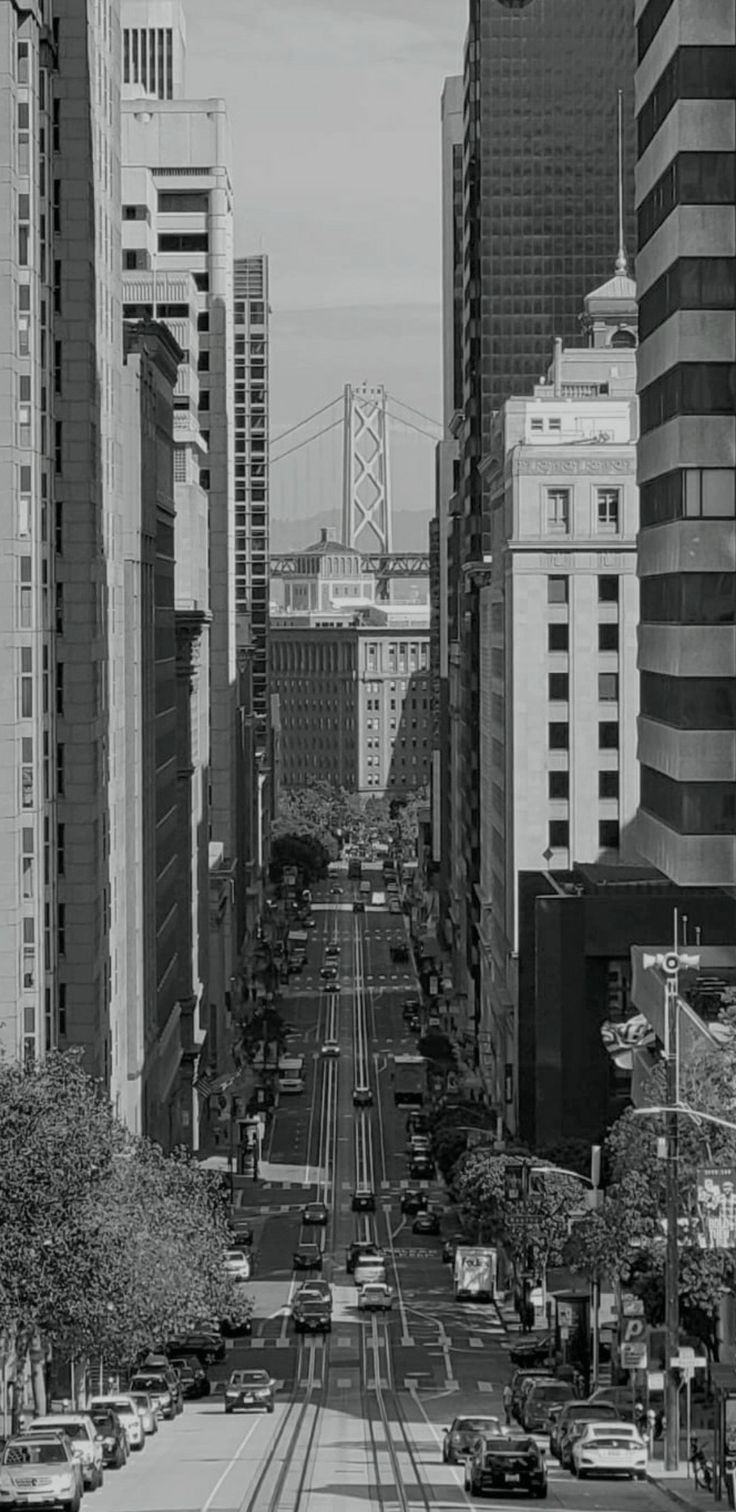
<point>674,1495</point>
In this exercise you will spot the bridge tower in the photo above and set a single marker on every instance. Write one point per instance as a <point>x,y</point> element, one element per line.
<point>366,494</point>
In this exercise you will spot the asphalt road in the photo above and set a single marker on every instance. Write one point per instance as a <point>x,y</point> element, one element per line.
<point>359,1414</point>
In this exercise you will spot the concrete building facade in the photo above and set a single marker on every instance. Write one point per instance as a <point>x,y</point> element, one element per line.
<point>686,268</point>
<point>558,776</point>
<point>29,1002</point>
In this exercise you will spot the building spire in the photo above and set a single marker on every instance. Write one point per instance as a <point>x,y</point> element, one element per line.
<point>622,261</point>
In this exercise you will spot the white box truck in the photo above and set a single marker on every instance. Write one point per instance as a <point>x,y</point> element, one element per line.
<point>475,1271</point>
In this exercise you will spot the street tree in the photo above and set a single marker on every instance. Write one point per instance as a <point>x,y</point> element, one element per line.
<point>533,1225</point>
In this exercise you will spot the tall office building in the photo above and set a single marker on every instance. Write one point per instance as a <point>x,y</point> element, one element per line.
<point>250,408</point>
<point>180,218</point>
<point>686,197</point>
<point>540,214</point>
<point>154,49</point>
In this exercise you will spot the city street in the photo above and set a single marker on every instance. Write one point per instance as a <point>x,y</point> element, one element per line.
<point>359,1412</point>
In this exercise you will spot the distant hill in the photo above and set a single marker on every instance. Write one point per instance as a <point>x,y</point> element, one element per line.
<point>409,530</point>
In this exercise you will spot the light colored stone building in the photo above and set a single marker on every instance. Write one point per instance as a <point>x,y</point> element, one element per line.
<point>558,680</point>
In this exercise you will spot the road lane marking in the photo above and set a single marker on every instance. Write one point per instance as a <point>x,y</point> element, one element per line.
<point>231,1465</point>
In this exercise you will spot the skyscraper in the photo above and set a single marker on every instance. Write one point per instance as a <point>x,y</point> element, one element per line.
<point>686,193</point>
<point>540,220</point>
<point>250,408</point>
<point>154,49</point>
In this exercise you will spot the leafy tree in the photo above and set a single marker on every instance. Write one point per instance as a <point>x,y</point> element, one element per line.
<point>532,1229</point>
<point>305,851</point>
<point>449,1132</point>
<point>107,1244</point>
<point>626,1237</point>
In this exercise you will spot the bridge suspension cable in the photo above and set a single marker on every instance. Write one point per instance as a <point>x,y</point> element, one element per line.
<point>315,413</point>
<point>308,439</point>
<point>413,411</point>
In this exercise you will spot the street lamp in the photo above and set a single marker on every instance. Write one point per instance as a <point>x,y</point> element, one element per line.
<point>670,964</point>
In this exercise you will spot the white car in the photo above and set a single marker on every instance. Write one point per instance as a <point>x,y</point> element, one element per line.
<point>47,1458</point>
<point>610,1448</point>
<point>237,1264</point>
<point>81,1432</point>
<point>125,1408</point>
<point>375,1296</point>
<point>330,1050</point>
<point>146,1411</point>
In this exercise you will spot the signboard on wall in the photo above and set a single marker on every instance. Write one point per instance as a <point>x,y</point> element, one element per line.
<point>716,1198</point>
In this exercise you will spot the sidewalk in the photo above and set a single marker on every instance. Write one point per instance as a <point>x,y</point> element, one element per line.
<point>680,1488</point>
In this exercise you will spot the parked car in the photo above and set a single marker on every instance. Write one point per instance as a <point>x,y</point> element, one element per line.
<point>241,1230</point>
<point>462,1434</point>
<point>541,1397</point>
<point>375,1296</point>
<point>426,1223</point>
<point>125,1409</point>
<point>532,1352</point>
<point>413,1201</point>
<point>610,1449</point>
<point>249,1388</point>
<point>147,1410</point>
<point>581,1412</point>
<point>207,1345</point>
<point>315,1213</point>
<point>158,1387</point>
<point>28,1458</point>
<point>181,1363</point>
<point>573,1429</point>
<point>307,1256</point>
<point>238,1264</point>
<point>362,1249</point>
<point>112,1437</point>
<point>502,1462</point>
<point>519,1379</point>
<point>82,1435</point>
<point>449,1247</point>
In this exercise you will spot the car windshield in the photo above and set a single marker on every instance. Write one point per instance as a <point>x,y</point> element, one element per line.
<point>588,1414</point>
<point>150,1383</point>
<point>45,1452</point>
<point>508,1445</point>
<point>141,1398</point>
<point>474,1425</point>
<point>235,1254</point>
<point>249,1378</point>
<point>104,1421</point>
<point>69,1426</point>
<point>118,1405</point>
<point>560,1392</point>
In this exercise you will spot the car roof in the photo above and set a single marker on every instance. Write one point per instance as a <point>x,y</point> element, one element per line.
<point>48,1419</point>
<point>238,1376</point>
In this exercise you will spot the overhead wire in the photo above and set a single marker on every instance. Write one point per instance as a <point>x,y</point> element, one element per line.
<point>307,441</point>
<point>401,420</point>
<point>414,411</point>
<point>283,434</point>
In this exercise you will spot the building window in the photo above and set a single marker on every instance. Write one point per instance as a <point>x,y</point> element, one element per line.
<point>558,511</point>
<point>182,241</point>
<point>558,637</point>
<point>607,510</point>
<point>608,784</point>
<point>608,637</point>
<point>691,283</point>
<point>608,590</point>
<point>558,735</point>
<point>559,834</point>
<point>558,686</point>
<point>608,735</point>
<point>689,388</point>
<point>559,784</point>
<point>558,590</point>
<point>608,834</point>
<point>608,687</point>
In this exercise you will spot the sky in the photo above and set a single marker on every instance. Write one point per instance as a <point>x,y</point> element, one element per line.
<point>334,117</point>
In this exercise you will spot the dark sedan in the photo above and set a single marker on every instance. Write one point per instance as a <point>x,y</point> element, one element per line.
<point>501,1463</point>
<point>315,1212</point>
<point>249,1388</point>
<point>312,1315</point>
<point>307,1257</point>
<point>426,1223</point>
<point>109,1428</point>
<point>208,1347</point>
<point>462,1435</point>
<point>413,1201</point>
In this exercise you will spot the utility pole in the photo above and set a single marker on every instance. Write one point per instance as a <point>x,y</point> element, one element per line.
<point>670,964</point>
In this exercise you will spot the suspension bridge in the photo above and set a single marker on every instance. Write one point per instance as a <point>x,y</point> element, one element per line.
<point>367,416</point>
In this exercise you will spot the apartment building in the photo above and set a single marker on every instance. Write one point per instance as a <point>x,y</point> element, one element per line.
<point>540,213</point>
<point>558,616</point>
<point>250,409</point>
<point>686,271</point>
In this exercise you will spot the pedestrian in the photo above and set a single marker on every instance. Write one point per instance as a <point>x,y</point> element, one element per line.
<point>507,1395</point>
